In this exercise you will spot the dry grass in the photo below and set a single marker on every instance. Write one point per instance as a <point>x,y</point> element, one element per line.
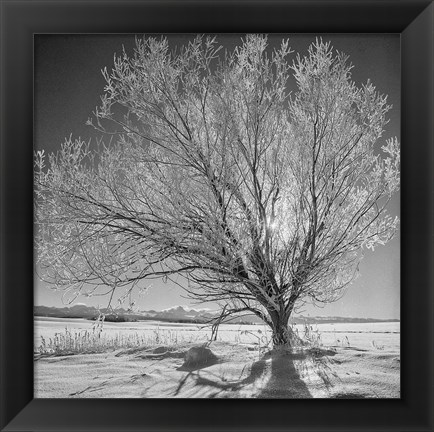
<point>96,341</point>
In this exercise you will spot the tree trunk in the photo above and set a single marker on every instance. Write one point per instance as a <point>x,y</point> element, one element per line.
<point>280,329</point>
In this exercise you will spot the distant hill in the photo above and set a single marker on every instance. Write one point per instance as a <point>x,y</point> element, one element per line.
<point>88,312</point>
<point>334,319</point>
<point>179,314</point>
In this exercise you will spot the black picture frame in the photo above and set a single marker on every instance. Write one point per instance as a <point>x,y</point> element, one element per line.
<point>21,19</point>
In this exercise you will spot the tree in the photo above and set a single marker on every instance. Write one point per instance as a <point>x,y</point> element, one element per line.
<point>260,199</point>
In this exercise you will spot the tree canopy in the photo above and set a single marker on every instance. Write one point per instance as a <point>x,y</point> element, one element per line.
<point>260,198</point>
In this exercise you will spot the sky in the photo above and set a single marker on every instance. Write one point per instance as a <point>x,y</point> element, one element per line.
<point>68,86</point>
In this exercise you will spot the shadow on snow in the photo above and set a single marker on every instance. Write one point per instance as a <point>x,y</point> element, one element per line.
<point>284,381</point>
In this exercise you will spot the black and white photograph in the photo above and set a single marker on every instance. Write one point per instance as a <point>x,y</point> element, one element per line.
<point>217,216</point>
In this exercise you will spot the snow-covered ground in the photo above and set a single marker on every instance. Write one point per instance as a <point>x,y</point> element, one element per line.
<point>353,361</point>
<point>362,335</point>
